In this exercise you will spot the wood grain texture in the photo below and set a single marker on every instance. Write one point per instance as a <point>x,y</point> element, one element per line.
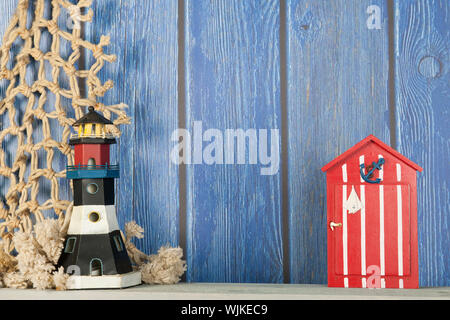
<point>422,115</point>
<point>337,82</point>
<point>232,81</point>
<point>337,75</point>
<point>144,38</point>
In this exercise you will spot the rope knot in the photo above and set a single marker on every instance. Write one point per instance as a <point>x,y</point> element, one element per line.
<point>53,87</point>
<point>23,58</point>
<point>74,11</point>
<point>25,90</point>
<point>33,205</point>
<point>70,70</point>
<point>28,148</point>
<point>49,174</point>
<point>100,91</point>
<point>36,87</point>
<point>75,43</point>
<point>6,172</point>
<point>40,113</point>
<point>6,74</point>
<point>65,148</point>
<point>97,52</point>
<point>61,116</point>
<point>37,54</point>
<point>20,186</point>
<point>52,27</point>
<point>24,34</point>
<point>15,130</point>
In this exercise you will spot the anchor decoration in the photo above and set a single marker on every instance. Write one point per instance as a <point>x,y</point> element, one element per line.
<point>353,204</point>
<point>374,166</point>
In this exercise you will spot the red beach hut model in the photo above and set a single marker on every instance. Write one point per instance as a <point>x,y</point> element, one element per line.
<point>372,218</point>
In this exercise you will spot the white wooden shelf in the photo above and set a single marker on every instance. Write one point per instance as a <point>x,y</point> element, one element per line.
<point>227,291</point>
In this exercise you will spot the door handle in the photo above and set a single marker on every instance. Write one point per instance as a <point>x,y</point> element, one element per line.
<point>333,225</point>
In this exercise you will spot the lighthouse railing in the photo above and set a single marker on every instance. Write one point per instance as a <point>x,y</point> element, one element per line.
<point>101,135</point>
<point>93,167</point>
<point>92,171</point>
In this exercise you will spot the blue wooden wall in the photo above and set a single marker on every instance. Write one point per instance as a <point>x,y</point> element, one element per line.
<point>312,69</point>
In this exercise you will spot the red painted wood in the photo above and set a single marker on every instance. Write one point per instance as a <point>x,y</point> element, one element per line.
<point>380,249</point>
<point>334,244</point>
<point>337,236</point>
<point>413,280</point>
<point>364,142</point>
<point>353,229</point>
<point>390,229</point>
<point>406,230</point>
<point>372,223</point>
<point>84,152</point>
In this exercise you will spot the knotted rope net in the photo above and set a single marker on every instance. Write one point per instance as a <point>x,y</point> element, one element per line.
<point>21,166</point>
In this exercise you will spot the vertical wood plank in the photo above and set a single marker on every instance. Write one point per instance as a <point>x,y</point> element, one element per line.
<point>337,75</point>
<point>144,38</point>
<point>422,40</point>
<point>117,21</point>
<point>232,82</point>
<point>156,177</point>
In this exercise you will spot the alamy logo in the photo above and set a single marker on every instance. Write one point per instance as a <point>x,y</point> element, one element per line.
<point>214,146</point>
<point>374,19</point>
<point>374,281</point>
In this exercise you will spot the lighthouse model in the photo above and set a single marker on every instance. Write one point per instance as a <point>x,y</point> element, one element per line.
<point>94,251</point>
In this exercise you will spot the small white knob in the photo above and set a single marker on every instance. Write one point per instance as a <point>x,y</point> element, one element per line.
<point>333,225</point>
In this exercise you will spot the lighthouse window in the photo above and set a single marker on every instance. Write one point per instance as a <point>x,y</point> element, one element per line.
<point>92,188</point>
<point>94,217</point>
<point>118,242</point>
<point>91,162</point>
<point>96,267</point>
<point>70,245</point>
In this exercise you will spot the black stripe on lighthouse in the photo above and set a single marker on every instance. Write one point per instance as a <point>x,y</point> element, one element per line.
<point>88,192</point>
<point>95,254</point>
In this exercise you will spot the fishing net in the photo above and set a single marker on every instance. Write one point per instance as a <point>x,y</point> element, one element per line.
<point>42,93</point>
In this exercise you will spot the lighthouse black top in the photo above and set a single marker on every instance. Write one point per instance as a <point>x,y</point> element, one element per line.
<point>91,129</point>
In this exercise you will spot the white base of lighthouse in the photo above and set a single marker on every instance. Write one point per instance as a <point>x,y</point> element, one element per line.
<point>117,281</point>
